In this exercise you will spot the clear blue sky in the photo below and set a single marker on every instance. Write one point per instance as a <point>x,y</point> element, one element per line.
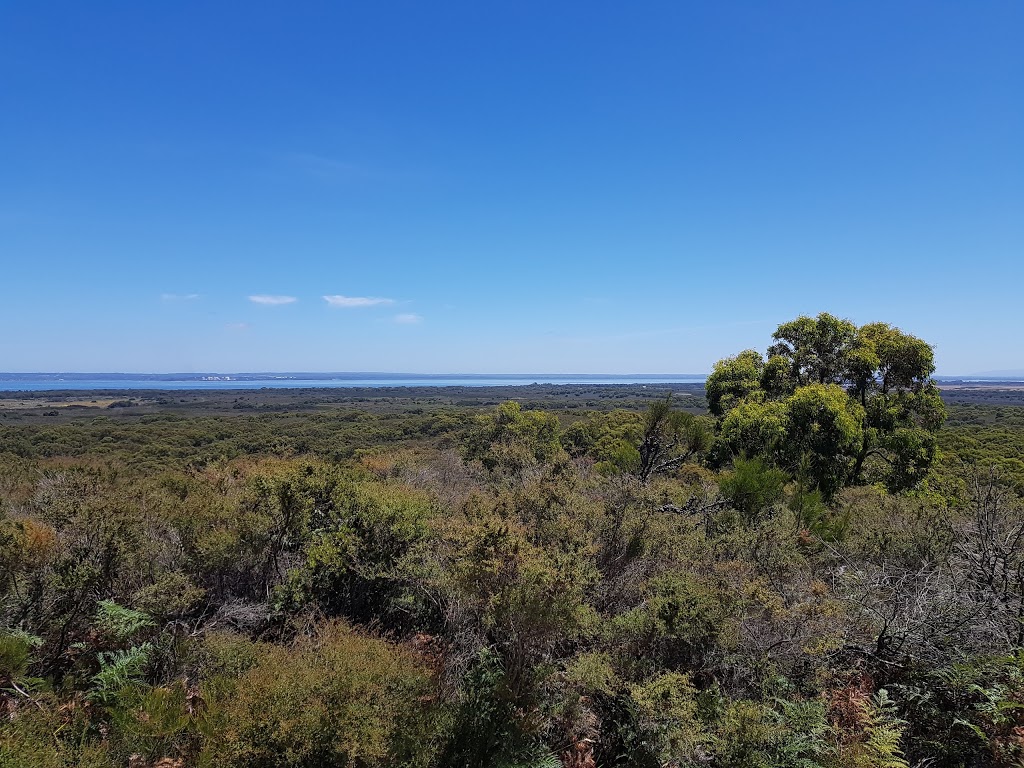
<point>525,186</point>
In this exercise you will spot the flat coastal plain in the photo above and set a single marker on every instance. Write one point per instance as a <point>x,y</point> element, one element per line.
<point>126,404</point>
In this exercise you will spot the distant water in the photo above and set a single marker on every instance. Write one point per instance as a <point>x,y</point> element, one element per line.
<point>48,382</point>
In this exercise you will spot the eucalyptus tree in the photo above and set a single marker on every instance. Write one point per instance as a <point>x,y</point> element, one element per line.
<point>839,403</point>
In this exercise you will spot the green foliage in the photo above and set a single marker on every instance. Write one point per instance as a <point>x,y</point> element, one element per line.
<point>523,600</point>
<point>817,349</point>
<point>335,699</point>
<point>971,708</point>
<point>656,442</point>
<point>593,673</point>
<point>156,722</point>
<point>824,430</point>
<point>120,623</point>
<point>881,528</point>
<point>489,730</point>
<point>669,438</point>
<point>884,732</point>
<point>15,653</point>
<point>177,580</point>
<point>842,404</point>
<point>43,737</point>
<point>777,734</point>
<point>733,380</point>
<point>610,439</point>
<point>814,516</point>
<point>755,428</point>
<point>513,439</point>
<point>665,712</point>
<point>119,670</point>
<point>986,438</point>
<point>681,619</point>
<point>807,740</point>
<point>357,561</point>
<point>753,487</point>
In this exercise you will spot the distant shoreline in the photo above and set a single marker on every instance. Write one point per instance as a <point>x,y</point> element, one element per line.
<point>222,382</point>
<point>94,382</point>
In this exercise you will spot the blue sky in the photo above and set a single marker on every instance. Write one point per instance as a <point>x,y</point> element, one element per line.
<point>504,187</point>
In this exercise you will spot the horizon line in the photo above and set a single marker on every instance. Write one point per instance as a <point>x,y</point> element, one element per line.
<point>334,373</point>
<point>1007,375</point>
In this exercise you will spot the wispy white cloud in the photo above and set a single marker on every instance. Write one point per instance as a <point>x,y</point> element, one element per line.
<point>179,296</point>
<point>238,326</point>
<point>272,301</point>
<point>356,301</point>
<point>408,319</point>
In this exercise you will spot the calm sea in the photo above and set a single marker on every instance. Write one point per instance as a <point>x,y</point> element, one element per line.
<point>28,383</point>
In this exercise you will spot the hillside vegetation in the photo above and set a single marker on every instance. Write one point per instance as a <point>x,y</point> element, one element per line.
<point>818,569</point>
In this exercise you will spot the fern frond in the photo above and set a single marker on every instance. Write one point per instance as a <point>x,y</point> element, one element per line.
<point>118,670</point>
<point>120,622</point>
<point>884,733</point>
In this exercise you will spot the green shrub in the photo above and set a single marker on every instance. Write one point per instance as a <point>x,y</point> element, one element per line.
<point>338,699</point>
<point>753,487</point>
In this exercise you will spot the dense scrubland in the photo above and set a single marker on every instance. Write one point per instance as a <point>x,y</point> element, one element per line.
<point>816,562</point>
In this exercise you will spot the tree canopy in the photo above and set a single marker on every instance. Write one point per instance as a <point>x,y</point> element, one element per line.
<point>835,403</point>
